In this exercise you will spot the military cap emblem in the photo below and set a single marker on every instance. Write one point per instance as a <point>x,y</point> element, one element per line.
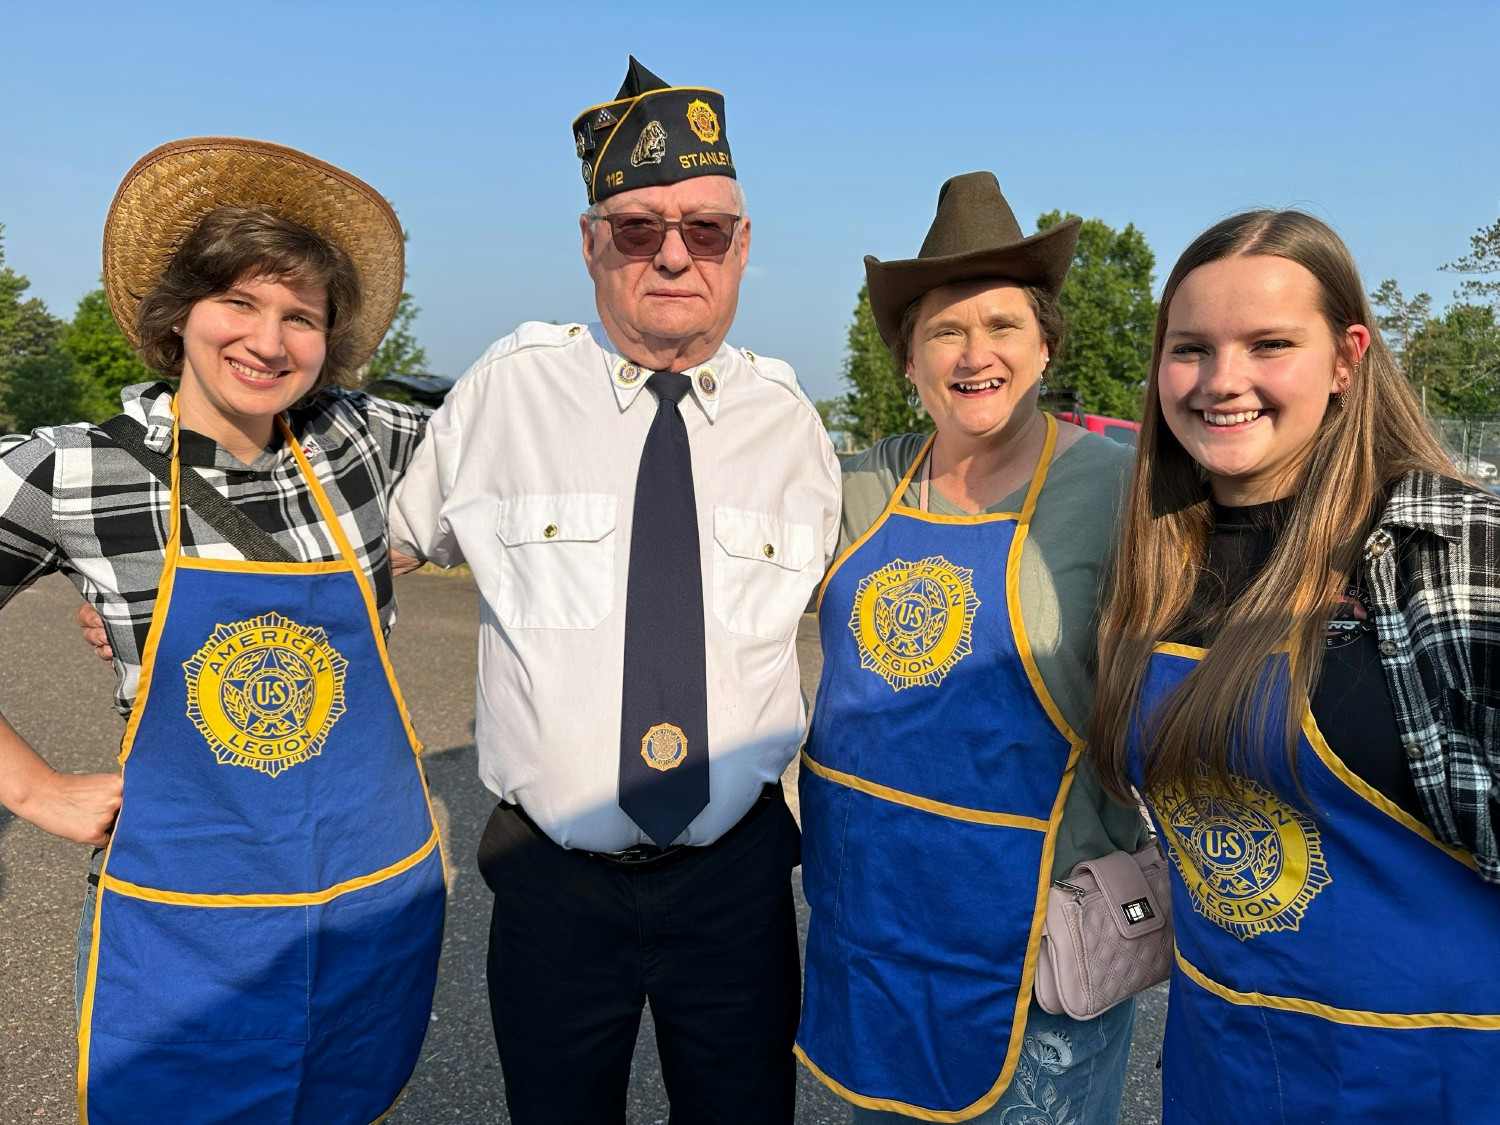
<point>604,119</point>
<point>650,146</point>
<point>588,172</point>
<point>664,747</point>
<point>265,692</point>
<point>580,144</point>
<point>703,121</point>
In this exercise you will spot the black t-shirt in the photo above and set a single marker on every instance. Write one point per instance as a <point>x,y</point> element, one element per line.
<point>1352,703</point>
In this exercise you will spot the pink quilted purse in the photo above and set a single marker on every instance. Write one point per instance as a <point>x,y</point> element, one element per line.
<point>1108,933</point>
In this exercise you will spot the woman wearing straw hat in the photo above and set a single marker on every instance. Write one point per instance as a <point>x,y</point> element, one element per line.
<point>263,942</point>
<point>941,789</point>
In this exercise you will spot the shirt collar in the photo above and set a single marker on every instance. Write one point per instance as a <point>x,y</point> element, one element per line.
<point>1428,502</point>
<point>150,404</point>
<point>627,378</point>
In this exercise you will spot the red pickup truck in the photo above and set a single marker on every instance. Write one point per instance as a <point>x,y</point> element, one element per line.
<point>1116,429</point>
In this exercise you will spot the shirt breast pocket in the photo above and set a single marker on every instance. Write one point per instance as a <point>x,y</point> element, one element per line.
<point>762,576</point>
<point>557,561</point>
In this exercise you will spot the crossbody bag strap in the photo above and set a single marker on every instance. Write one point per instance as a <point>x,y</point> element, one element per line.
<point>239,530</point>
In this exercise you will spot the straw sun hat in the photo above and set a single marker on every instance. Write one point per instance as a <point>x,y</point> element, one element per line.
<point>171,188</point>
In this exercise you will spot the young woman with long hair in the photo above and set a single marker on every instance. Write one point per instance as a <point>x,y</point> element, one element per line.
<point>1300,671</point>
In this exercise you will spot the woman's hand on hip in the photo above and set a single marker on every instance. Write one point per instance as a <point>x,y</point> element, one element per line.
<point>76,806</point>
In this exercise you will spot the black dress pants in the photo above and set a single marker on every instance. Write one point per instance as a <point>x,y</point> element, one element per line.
<point>707,936</point>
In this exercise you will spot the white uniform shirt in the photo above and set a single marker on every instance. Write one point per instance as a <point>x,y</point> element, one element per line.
<point>527,473</point>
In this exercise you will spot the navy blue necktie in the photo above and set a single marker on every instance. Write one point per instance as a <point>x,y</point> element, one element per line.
<point>664,709</point>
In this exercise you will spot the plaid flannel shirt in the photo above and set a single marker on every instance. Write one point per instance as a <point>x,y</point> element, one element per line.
<point>73,501</point>
<point>1432,568</point>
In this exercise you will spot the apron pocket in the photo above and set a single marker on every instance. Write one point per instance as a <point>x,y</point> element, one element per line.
<point>199,974</point>
<point>921,925</point>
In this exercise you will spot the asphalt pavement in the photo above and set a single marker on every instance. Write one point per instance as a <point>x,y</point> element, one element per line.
<point>57,694</point>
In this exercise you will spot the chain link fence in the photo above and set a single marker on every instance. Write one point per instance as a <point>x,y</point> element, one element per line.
<point>1474,442</point>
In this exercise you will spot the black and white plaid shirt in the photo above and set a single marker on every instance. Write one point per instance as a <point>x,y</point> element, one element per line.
<point>1433,572</point>
<point>72,500</point>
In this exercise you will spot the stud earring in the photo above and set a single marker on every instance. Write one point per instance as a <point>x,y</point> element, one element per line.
<point>176,331</point>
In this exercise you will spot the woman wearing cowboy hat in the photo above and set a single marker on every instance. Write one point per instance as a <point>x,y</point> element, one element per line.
<point>263,942</point>
<point>941,788</point>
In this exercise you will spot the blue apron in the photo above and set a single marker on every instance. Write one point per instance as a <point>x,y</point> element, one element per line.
<point>1335,964</point>
<point>270,910</point>
<point>931,788</point>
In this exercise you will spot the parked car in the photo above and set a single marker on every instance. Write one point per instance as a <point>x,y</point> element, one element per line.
<point>425,390</point>
<point>1121,430</point>
<point>8,440</point>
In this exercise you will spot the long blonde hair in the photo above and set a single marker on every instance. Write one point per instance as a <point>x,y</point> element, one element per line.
<point>1355,457</point>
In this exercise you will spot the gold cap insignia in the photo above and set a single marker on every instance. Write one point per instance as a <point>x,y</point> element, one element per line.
<point>703,121</point>
<point>664,747</point>
<point>650,146</point>
<point>264,693</point>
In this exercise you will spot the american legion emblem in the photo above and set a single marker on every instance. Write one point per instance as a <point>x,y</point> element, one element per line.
<point>703,121</point>
<point>913,621</point>
<point>265,692</point>
<point>664,747</point>
<point>1251,863</point>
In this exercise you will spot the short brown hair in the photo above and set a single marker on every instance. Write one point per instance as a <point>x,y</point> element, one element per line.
<point>233,244</point>
<point>1049,318</point>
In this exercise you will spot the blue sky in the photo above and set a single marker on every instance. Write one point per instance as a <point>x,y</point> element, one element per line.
<point>844,119</point>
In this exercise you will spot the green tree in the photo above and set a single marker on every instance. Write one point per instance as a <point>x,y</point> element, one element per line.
<point>27,331</point>
<point>877,404</point>
<point>45,390</point>
<point>1482,259</point>
<point>1400,321</point>
<point>1454,362</point>
<point>399,353</point>
<point>1110,315</point>
<point>104,360</point>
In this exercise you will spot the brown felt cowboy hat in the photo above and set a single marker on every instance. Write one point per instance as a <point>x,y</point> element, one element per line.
<point>974,235</point>
<point>170,189</point>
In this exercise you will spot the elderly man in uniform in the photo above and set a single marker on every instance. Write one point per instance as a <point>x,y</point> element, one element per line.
<point>646,511</point>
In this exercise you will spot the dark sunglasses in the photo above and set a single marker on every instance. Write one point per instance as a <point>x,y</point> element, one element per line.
<point>706,234</point>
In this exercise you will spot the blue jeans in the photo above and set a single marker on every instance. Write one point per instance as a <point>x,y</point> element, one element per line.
<point>1069,1073</point>
<point>86,932</point>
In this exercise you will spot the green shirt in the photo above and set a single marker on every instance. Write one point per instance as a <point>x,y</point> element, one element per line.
<point>1063,563</point>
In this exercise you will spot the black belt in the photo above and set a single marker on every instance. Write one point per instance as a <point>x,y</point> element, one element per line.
<point>638,857</point>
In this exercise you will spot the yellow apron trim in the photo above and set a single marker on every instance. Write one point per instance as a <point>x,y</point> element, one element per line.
<point>890,506</point>
<point>891,1105</point>
<point>1192,652</point>
<point>309,898</point>
<point>1375,798</point>
<point>244,566</point>
<point>86,1005</point>
<point>1351,1016</point>
<point>939,517</point>
<point>1336,766</point>
<point>336,530</point>
<point>1013,590</point>
<point>940,808</point>
<point>170,559</point>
